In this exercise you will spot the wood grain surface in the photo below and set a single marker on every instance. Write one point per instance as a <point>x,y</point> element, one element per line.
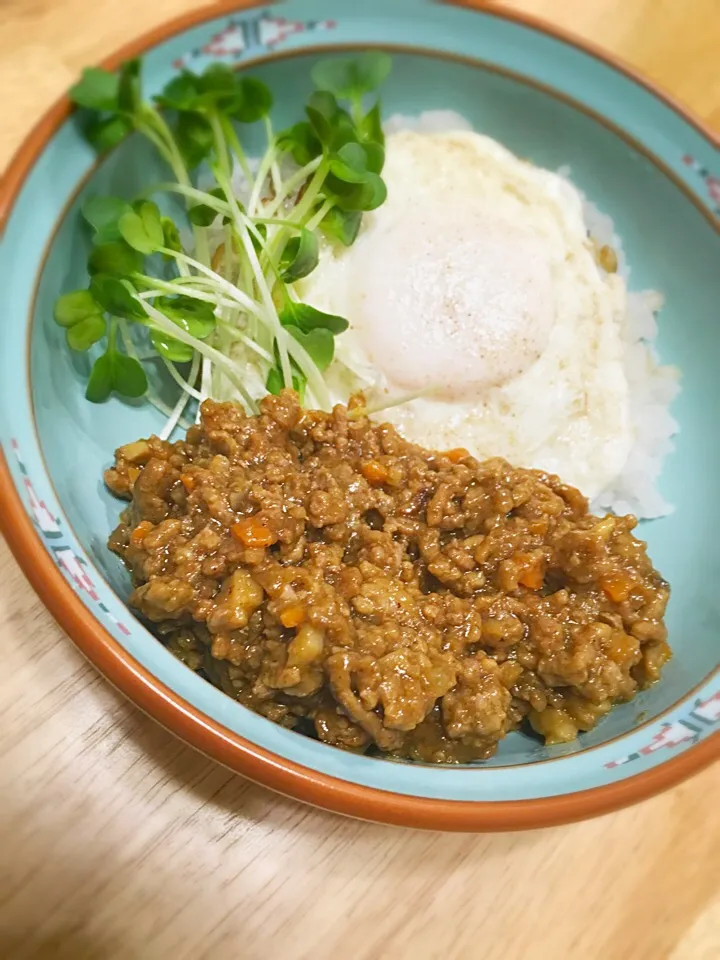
<point>116,841</point>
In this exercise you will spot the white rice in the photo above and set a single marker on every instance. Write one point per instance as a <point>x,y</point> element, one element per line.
<point>653,386</point>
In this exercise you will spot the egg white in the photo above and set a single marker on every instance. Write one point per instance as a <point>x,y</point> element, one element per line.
<point>475,285</point>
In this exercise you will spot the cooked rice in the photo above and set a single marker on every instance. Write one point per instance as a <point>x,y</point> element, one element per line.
<point>653,386</point>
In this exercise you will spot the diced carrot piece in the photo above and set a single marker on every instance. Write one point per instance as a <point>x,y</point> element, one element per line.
<point>253,533</point>
<point>374,472</point>
<point>292,616</point>
<point>140,532</point>
<point>188,482</point>
<point>532,579</point>
<point>617,585</point>
<point>538,527</point>
<point>531,570</point>
<point>457,455</point>
<point>622,647</point>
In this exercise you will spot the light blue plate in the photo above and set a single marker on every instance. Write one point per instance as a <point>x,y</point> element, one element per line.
<point>639,159</point>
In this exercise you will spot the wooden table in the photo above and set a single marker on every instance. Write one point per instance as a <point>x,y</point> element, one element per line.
<point>118,842</point>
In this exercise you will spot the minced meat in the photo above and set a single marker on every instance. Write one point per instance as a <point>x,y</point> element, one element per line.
<point>337,579</point>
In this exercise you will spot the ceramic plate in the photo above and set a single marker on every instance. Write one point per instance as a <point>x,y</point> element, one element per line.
<point>637,155</point>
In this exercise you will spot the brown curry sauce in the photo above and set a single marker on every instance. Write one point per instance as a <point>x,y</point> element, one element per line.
<point>337,579</point>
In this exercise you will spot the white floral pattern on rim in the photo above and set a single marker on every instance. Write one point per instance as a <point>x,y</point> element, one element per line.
<point>689,729</point>
<point>242,35</point>
<point>73,566</point>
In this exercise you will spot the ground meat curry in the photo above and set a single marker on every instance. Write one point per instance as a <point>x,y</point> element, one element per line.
<point>382,597</point>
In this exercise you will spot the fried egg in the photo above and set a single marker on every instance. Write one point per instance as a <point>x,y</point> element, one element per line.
<point>474,294</point>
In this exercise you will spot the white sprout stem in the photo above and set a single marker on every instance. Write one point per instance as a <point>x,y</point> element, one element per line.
<point>220,144</point>
<point>274,166</point>
<point>262,286</point>
<point>152,398</point>
<point>201,243</point>
<point>270,308</point>
<point>232,291</point>
<point>373,408</point>
<point>181,381</point>
<point>210,353</point>
<point>175,414</point>
<point>294,349</point>
<point>236,147</point>
<point>291,185</point>
<point>260,178</point>
<point>310,369</point>
<point>182,402</point>
<point>324,210</point>
<point>192,193</point>
<point>256,348</point>
<point>238,336</point>
<point>311,194</point>
<point>192,293</point>
<point>206,379</point>
<point>177,164</point>
<point>301,210</point>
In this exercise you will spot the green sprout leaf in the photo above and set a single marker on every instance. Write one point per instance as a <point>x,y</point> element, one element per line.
<point>194,138</point>
<point>306,318</point>
<point>331,125</point>
<point>203,215</point>
<point>275,383</point>
<point>115,371</point>
<point>374,156</point>
<point>255,101</point>
<point>82,317</point>
<point>181,93</point>
<point>342,225</point>
<point>345,141</point>
<point>300,257</point>
<point>103,214</point>
<point>130,379</point>
<point>142,229</point>
<point>319,343</point>
<point>301,142</point>
<point>105,133</point>
<point>117,297</point>
<point>100,384</point>
<point>322,110</point>
<point>97,89</point>
<point>115,258</point>
<point>170,348</point>
<point>171,237</point>
<point>82,335</point>
<point>357,163</point>
<point>350,164</point>
<point>350,78</point>
<point>258,237</point>
<point>370,127</point>
<point>195,317</point>
<point>218,89</point>
<point>129,95</point>
<point>357,196</point>
<point>217,81</point>
<point>74,307</point>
